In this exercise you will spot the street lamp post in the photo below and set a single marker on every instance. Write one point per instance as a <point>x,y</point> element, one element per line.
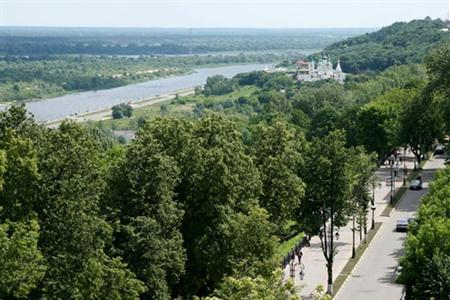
<point>353,242</point>
<point>391,163</point>
<point>405,170</point>
<point>373,207</point>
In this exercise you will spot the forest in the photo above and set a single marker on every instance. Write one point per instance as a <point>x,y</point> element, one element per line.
<point>24,41</point>
<point>197,207</point>
<point>31,78</point>
<point>396,44</point>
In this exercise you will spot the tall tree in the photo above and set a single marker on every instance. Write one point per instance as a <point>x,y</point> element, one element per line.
<point>22,262</point>
<point>278,153</point>
<point>140,200</point>
<point>23,265</point>
<point>74,235</point>
<point>421,124</point>
<point>21,171</point>
<point>363,169</point>
<point>218,181</point>
<point>378,122</point>
<point>328,179</point>
<point>438,66</point>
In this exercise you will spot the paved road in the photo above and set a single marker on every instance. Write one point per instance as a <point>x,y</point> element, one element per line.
<point>313,260</point>
<point>374,276</point>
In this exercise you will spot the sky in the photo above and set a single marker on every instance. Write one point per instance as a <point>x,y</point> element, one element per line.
<point>218,13</point>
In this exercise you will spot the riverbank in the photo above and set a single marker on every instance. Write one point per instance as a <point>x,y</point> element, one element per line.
<point>40,79</point>
<point>105,114</point>
<point>85,103</point>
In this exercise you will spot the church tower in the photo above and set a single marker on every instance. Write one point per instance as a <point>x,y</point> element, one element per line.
<point>338,67</point>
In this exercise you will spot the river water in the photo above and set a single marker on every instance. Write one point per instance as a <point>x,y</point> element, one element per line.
<point>79,103</point>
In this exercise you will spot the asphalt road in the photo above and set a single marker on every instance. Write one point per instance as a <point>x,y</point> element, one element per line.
<point>374,276</point>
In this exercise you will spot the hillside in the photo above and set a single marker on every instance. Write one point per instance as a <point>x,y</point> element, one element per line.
<point>396,44</point>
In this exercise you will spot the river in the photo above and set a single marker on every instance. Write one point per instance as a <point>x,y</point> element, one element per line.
<point>79,103</point>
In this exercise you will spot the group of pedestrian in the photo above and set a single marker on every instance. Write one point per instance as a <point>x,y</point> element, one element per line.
<point>296,252</point>
<point>294,258</point>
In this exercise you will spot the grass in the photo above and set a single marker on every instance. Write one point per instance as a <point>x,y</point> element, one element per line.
<point>348,268</point>
<point>182,108</point>
<point>149,112</point>
<point>285,247</point>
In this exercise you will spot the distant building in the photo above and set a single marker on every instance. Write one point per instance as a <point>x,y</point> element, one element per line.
<point>308,71</point>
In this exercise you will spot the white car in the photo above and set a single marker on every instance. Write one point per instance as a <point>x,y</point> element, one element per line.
<point>402,224</point>
<point>415,184</point>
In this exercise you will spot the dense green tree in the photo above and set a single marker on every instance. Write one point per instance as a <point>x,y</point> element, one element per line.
<point>323,122</point>
<point>255,288</point>
<point>218,183</point>
<point>218,85</point>
<point>252,243</point>
<point>421,124</point>
<point>274,102</point>
<point>426,263</point>
<point>122,110</point>
<point>438,67</point>
<point>23,265</point>
<point>278,153</point>
<point>73,235</point>
<point>379,122</point>
<point>399,43</point>
<point>140,200</point>
<point>21,170</point>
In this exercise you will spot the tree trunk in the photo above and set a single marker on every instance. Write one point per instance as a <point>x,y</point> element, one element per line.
<point>360,227</point>
<point>331,257</point>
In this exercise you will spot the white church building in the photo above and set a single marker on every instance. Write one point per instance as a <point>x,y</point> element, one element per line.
<point>308,71</point>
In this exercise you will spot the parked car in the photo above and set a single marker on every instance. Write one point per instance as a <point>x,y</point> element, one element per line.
<point>398,270</point>
<point>440,149</point>
<point>415,184</point>
<point>402,224</point>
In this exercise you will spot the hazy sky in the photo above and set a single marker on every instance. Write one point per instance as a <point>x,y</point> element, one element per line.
<point>217,13</point>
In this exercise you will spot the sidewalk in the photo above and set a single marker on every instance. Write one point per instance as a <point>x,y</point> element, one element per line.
<point>313,259</point>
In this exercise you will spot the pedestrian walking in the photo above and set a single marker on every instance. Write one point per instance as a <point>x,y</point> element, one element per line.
<point>299,255</point>
<point>292,269</point>
<point>308,244</point>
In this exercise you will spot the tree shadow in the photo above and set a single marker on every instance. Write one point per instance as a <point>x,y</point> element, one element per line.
<point>391,275</point>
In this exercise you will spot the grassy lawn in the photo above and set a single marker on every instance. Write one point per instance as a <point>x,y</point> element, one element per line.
<point>288,245</point>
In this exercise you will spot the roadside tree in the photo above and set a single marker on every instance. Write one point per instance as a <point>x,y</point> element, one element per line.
<point>328,178</point>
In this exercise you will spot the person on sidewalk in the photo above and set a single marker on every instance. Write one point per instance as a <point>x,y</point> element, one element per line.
<point>292,269</point>
<point>299,255</point>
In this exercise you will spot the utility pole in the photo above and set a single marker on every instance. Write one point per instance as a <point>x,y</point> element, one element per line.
<point>190,41</point>
<point>448,13</point>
